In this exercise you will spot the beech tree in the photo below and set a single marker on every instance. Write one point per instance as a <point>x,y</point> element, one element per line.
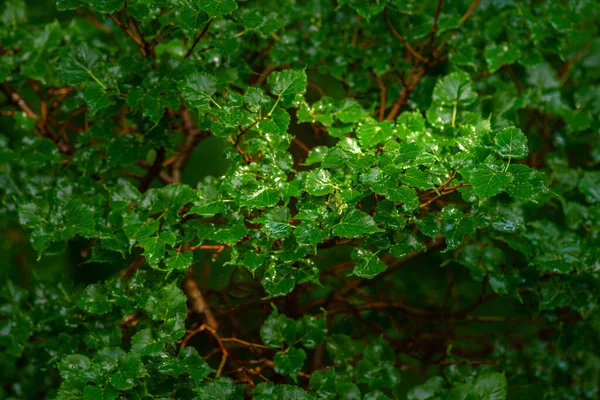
<point>316,199</point>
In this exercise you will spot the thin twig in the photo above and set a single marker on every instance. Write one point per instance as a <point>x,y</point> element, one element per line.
<point>132,267</point>
<point>153,171</point>
<point>202,33</point>
<point>435,24</point>
<point>124,28</point>
<point>197,302</point>
<point>193,136</point>
<point>401,38</point>
<point>470,10</point>
<point>383,97</point>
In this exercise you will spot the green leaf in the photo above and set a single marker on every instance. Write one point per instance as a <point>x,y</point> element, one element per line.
<point>341,348</point>
<point>278,280</point>
<point>427,390</point>
<point>368,265</point>
<point>511,143</point>
<point>355,223</point>
<point>105,6</point>
<point>188,362</point>
<point>350,111</point>
<point>491,386</point>
<point>276,223</point>
<point>278,329</point>
<point>97,98</point>
<point>287,84</point>
<point>95,300</point>
<point>77,368</point>
<point>179,260</point>
<point>488,182</point>
<point>318,182</point>
<point>405,195</point>
<point>142,344</point>
<point>312,331</point>
<point>168,302</point>
<point>429,225</point>
<point>271,391</point>
<point>219,389</point>
<point>589,186</point>
<point>209,201</point>
<point>154,246</point>
<point>501,54</point>
<point>197,90</point>
<point>455,225</point>
<point>413,176</point>
<point>324,384</point>
<point>129,370</point>
<point>289,362</point>
<point>455,89</point>
<point>100,393</point>
<point>217,8</point>
<point>370,132</point>
<point>78,64</point>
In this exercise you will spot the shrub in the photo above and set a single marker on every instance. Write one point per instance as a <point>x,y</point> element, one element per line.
<point>317,199</point>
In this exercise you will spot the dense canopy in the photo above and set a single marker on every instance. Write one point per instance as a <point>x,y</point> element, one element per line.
<point>299,199</point>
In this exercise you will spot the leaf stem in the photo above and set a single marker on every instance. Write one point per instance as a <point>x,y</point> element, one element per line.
<point>96,79</point>
<point>454,114</point>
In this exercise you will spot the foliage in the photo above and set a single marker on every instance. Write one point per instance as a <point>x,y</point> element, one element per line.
<point>351,199</point>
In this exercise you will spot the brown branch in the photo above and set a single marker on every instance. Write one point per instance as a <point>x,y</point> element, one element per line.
<point>92,20</point>
<point>63,145</point>
<point>444,192</point>
<point>382,98</point>
<point>263,76</point>
<point>135,27</point>
<point>158,37</point>
<point>243,342</point>
<point>467,362</point>
<point>166,179</point>
<point>401,38</point>
<point>126,30</point>
<point>413,79</point>
<point>193,136</point>
<point>300,144</point>
<point>153,171</point>
<point>202,33</point>
<point>435,24</point>
<point>19,102</point>
<point>470,10</point>
<point>138,262</point>
<point>197,302</point>
<point>567,65</point>
<point>316,88</point>
<point>356,31</point>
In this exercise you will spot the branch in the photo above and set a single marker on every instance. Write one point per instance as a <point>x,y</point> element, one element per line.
<point>137,41</point>
<point>413,79</point>
<point>435,23</point>
<point>63,145</point>
<point>472,8</point>
<point>430,246</point>
<point>383,97</point>
<point>166,179</point>
<point>193,136</point>
<point>401,38</point>
<point>154,170</point>
<point>132,267</point>
<point>92,20</point>
<point>444,192</point>
<point>202,33</point>
<point>196,299</point>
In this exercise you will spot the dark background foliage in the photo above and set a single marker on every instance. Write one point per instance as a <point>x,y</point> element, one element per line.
<point>316,199</point>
